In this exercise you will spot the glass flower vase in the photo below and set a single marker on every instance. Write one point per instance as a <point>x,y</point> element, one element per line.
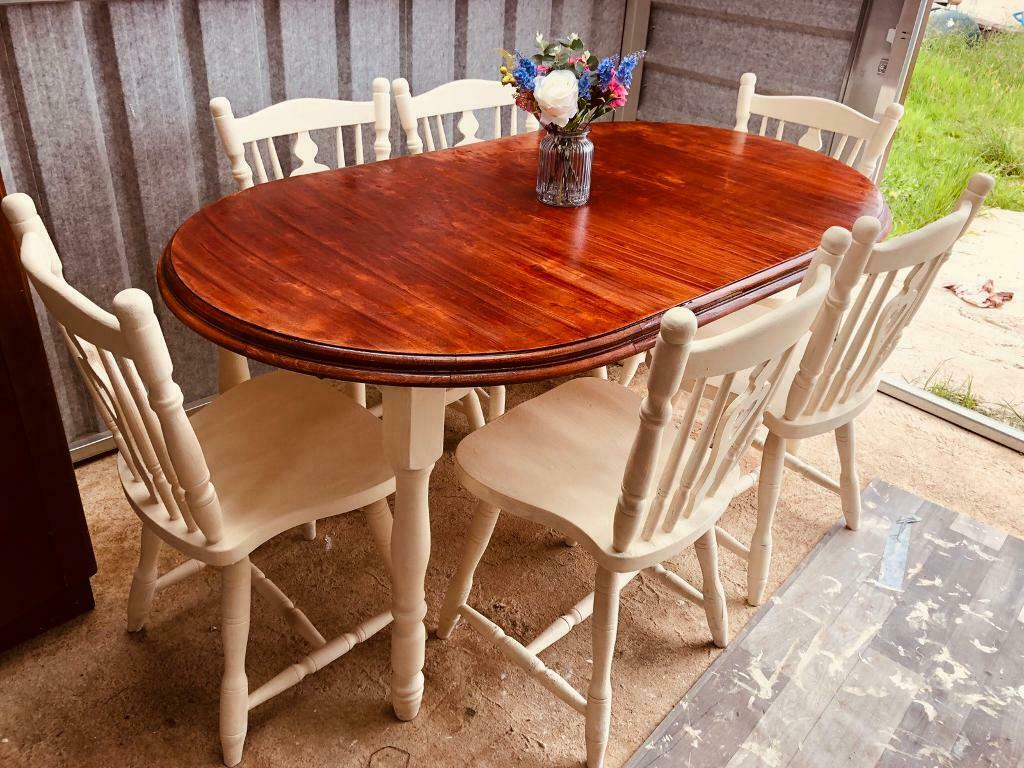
<point>563,169</point>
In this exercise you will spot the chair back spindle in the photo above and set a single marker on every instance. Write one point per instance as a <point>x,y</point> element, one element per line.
<point>857,140</point>
<point>897,275</point>
<point>698,468</point>
<point>127,367</point>
<point>299,119</point>
<point>427,112</point>
<point>670,352</point>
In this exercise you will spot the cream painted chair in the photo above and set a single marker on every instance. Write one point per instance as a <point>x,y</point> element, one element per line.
<point>272,453</point>
<point>858,140</point>
<point>838,373</point>
<point>297,119</point>
<point>585,457</point>
<point>463,97</point>
<point>459,96</point>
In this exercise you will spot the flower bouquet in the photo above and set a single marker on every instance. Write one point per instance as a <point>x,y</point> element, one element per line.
<point>566,88</point>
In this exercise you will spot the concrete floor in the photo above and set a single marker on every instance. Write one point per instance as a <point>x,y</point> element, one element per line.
<point>981,348</point>
<point>88,694</point>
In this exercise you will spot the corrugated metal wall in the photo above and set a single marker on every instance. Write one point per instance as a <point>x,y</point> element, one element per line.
<point>697,50</point>
<point>103,113</point>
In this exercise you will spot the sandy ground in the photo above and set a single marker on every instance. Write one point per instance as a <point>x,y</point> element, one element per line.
<point>88,694</point>
<point>952,340</point>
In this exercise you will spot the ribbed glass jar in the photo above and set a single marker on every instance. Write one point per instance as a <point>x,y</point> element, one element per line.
<point>563,170</point>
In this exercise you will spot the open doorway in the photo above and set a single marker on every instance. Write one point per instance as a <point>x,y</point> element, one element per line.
<point>963,357</point>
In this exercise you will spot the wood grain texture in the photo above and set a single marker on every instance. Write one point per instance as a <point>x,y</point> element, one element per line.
<point>443,269</point>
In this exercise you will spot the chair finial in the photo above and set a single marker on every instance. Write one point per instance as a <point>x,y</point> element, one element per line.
<point>220,106</point>
<point>400,86</point>
<point>381,85</point>
<point>836,240</point>
<point>133,308</point>
<point>678,325</point>
<point>981,184</point>
<point>895,111</point>
<point>866,230</point>
<point>18,207</point>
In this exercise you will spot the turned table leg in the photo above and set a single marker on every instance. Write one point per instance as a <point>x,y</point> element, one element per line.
<point>413,441</point>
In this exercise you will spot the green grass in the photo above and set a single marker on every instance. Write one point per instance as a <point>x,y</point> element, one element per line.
<point>963,395</point>
<point>965,113</point>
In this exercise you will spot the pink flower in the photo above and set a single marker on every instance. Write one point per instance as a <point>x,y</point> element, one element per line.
<point>618,93</point>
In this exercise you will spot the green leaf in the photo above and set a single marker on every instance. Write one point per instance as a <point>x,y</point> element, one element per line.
<point>576,45</point>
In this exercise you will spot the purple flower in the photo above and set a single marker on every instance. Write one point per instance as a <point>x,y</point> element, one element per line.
<point>606,70</point>
<point>626,67</point>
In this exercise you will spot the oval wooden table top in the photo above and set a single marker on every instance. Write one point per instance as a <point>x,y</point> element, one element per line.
<point>443,269</point>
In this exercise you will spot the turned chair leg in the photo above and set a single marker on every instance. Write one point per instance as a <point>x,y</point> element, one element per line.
<point>714,596</point>
<point>309,530</point>
<point>473,410</point>
<point>849,484</point>
<point>629,368</point>
<point>495,403</point>
<point>477,538</point>
<point>140,598</point>
<point>356,390</point>
<point>378,518</point>
<point>605,622</point>
<point>234,634</point>
<point>769,485</point>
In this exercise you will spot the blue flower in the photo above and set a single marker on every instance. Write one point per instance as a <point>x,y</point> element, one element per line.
<point>524,79</point>
<point>625,70</point>
<point>525,72</point>
<point>606,70</point>
<point>585,86</point>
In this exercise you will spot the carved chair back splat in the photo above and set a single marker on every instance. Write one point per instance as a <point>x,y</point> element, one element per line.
<point>297,119</point>
<point>427,111</point>
<point>857,140</point>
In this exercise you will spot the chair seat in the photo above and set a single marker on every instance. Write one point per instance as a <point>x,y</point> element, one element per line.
<point>558,459</point>
<point>283,449</point>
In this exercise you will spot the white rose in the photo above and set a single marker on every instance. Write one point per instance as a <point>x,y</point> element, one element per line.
<point>557,94</point>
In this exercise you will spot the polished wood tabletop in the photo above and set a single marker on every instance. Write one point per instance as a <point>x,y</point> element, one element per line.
<point>442,269</point>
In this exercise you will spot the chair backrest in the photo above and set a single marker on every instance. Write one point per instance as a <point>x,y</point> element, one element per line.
<point>458,96</point>
<point>296,118</point>
<point>850,343</point>
<point>127,369</point>
<point>696,469</point>
<point>858,140</point>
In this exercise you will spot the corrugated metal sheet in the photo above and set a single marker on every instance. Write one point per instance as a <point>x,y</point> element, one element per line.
<point>103,113</point>
<point>697,50</point>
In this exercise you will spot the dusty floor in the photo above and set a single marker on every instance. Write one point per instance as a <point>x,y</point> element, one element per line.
<point>88,694</point>
<point>952,340</point>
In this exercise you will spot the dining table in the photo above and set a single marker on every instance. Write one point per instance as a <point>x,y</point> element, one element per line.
<point>439,270</point>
